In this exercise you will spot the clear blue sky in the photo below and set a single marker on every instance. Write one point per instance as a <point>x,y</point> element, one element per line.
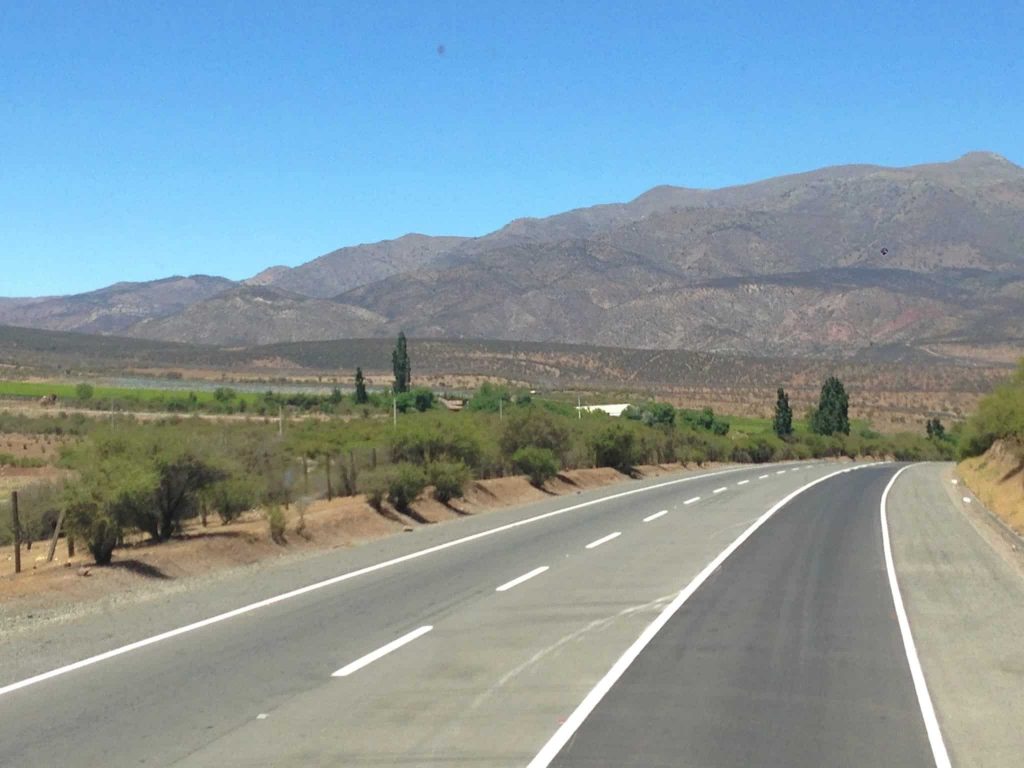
<point>142,139</point>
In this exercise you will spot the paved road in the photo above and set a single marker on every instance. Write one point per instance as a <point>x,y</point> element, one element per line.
<point>494,641</point>
<point>787,656</point>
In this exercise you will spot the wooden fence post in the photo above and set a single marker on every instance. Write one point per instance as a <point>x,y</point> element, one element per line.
<point>56,535</point>
<point>16,527</point>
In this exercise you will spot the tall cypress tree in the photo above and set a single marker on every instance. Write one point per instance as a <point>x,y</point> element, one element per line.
<point>783,422</point>
<point>832,415</point>
<point>400,364</point>
<point>361,397</point>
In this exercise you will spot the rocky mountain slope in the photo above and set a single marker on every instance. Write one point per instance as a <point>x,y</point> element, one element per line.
<point>830,262</point>
<point>113,309</point>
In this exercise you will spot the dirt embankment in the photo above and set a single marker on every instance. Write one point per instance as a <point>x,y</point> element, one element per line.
<point>314,526</point>
<point>997,479</point>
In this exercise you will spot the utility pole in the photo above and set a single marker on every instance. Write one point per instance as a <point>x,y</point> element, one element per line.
<point>16,525</point>
<point>394,411</point>
<point>579,407</point>
<point>501,412</point>
<point>280,420</point>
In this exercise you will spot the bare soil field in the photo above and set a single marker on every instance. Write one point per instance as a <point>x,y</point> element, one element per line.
<point>38,447</point>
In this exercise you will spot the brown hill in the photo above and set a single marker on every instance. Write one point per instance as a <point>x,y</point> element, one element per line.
<point>827,262</point>
<point>247,315</point>
<point>348,268</point>
<point>114,308</point>
<point>831,262</point>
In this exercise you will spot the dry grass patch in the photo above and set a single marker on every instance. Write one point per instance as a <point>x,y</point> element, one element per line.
<point>997,479</point>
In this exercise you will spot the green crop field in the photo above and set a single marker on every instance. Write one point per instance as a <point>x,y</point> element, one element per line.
<point>101,394</point>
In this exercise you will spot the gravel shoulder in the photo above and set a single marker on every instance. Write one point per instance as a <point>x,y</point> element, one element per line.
<point>963,584</point>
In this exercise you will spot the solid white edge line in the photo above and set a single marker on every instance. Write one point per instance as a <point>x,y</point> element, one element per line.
<point>335,580</point>
<point>384,650</point>
<point>924,700</point>
<point>742,482</point>
<point>720,490</point>
<point>565,732</point>
<point>520,579</point>
<point>694,500</point>
<point>655,516</point>
<point>604,540</point>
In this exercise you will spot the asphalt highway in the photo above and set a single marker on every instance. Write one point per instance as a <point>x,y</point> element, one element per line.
<point>478,644</point>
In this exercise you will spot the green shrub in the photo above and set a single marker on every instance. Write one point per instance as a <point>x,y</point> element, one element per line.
<point>652,414</point>
<point>534,426</point>
<point>84,392</point>
<point>705,419</point>
<point>449,479</point>
<point>740,455</point>
<point>538,464</point>
<point>616,446</point>
<point>717,448</point>
<point>230,497</point>
<point>423,439</point>
<point>1000,416</point>
<point>691,454</point>
<point>405,483</point>
<point>420,399</point>
<point>488,398</point>
<point>276,523</point>
<point>374,485</point>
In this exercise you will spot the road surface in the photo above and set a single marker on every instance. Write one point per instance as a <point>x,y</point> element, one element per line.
<point>477,643</point>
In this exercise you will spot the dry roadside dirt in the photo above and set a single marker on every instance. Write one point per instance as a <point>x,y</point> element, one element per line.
<point>139,569</point>
<point>997,479</point>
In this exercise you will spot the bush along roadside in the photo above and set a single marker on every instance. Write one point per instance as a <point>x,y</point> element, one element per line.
<point>126,477</point>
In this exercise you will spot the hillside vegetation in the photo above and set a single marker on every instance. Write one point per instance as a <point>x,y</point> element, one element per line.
<point>992,447</point>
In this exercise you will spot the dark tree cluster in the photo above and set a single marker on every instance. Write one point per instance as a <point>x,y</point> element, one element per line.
<point>831,417</point>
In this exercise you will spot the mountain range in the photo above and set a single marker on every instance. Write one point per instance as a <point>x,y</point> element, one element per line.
<point>825,263</point>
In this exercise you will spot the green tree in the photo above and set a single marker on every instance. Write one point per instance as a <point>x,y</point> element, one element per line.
<point>832,414</point>
<point>783,421</point>
<point>400,364</point>
<point>361,397</point>
<point>935,429</point>
<point>182,475</point>
<point>110,491</point>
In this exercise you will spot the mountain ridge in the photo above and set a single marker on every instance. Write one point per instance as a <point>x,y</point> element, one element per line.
<point>828,261</point>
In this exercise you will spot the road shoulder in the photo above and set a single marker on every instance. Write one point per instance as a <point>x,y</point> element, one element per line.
<point>964,595</point>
